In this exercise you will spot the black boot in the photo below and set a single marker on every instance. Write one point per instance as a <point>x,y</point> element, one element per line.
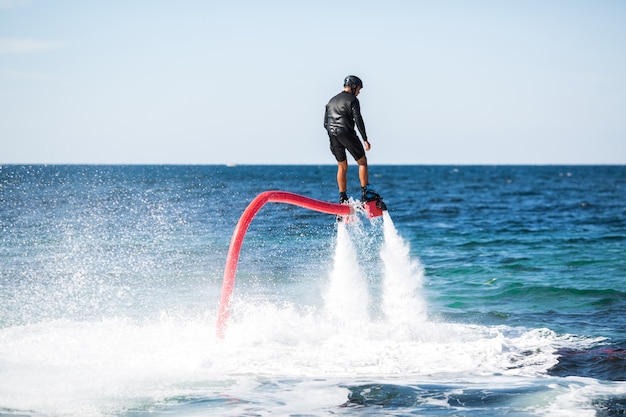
<point>368,194</point>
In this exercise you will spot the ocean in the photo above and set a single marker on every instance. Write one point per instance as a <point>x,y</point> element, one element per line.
<point>482,291</point>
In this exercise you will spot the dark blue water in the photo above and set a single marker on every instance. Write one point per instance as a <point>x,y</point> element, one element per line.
<point>110,278</point>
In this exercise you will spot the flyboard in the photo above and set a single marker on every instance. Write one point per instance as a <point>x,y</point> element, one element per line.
<point>372,207</point>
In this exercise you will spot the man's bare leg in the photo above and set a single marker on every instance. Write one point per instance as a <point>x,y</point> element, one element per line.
<point>363,171</point>
<point>342,176</point>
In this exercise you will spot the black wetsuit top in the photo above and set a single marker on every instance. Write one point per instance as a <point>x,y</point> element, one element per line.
<point>342,112</point>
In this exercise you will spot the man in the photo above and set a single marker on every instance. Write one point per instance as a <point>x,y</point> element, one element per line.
<point>342,113</point>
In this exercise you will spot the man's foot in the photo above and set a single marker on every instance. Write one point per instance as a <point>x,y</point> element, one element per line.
<point>343,198</point>
<point>368,194</point>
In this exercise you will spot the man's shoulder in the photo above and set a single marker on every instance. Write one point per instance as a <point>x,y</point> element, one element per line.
<point>343,96</point>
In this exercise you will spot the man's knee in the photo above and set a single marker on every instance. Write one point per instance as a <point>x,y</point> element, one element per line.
<point>362,161</point>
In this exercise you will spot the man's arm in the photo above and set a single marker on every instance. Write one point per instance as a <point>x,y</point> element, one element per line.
<point>356,115</point>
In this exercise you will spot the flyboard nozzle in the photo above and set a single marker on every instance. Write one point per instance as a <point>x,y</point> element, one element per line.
<point>374,208</point>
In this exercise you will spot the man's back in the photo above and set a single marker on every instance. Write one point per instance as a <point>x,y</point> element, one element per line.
<point>340,112</point>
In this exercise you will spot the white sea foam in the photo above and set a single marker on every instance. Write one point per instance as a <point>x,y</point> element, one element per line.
<point>100,368</point>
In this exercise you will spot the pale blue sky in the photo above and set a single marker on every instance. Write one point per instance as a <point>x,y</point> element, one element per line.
<point>213,82</point>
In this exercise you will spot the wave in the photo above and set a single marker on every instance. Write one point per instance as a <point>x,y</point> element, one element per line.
<point>574,296</point>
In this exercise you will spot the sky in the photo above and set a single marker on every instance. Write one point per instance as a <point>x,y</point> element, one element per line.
<point>246,82</point>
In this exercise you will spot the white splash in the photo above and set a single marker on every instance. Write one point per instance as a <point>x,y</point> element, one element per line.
<point>108,367</point>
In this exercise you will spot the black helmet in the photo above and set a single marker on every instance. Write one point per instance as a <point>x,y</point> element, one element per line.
<point>351,80</point>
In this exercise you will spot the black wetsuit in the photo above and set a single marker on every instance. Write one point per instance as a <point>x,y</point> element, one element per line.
<point>342,113</point>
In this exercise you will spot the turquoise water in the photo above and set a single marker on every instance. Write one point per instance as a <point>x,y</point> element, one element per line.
<point>485,290</point>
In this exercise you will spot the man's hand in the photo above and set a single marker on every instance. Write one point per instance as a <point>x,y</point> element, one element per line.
<point>367,145</point>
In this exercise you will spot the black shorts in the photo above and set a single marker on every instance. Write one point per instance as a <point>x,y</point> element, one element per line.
<point>346,140</point>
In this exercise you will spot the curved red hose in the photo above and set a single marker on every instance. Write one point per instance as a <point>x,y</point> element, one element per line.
<point>240,230</point>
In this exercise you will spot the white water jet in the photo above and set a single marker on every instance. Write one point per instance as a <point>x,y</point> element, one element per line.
<point>346,297</point>
<point>402,303</point>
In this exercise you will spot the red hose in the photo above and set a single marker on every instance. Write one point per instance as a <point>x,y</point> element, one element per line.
<point>240,230</point>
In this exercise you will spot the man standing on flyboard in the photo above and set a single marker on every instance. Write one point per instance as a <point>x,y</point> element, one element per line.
<point>342,113</point>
